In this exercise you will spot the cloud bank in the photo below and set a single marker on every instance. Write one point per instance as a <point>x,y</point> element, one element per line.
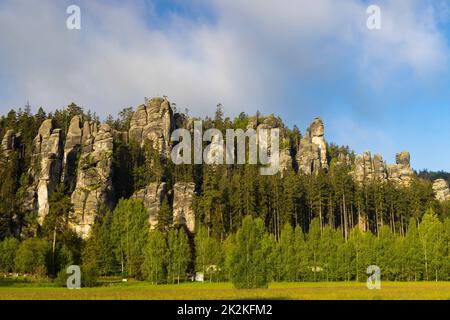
<point>295,58</point>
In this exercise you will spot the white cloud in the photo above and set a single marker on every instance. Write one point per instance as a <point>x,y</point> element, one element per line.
<point>247,58</point>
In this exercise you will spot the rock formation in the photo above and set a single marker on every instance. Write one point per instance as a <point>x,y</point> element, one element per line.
<point>401,172</point>
<point>152,196</point>
<point>45,171</point>
<point>312,151</point>
<point>183,193</point>
<point>153,122</point>
<point>441,189</point>
<point>71,148</point>
<point>368,169</point>
<point>8,143</point>
<point>94,179</point>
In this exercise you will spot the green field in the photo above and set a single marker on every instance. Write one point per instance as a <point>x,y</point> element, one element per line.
<point>306,291</point>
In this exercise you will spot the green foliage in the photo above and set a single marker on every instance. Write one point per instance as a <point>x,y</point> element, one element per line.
<point>155,258</point>
<point>178,255</point>
<point>129,230</point>
<point>208,254</point>
<point>249,265</point>
<point>8,249</point>
<point>33,257</point>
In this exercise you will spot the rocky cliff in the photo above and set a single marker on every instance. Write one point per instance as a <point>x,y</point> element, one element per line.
<point>441,189</point>
<point>367,168</point>
<point>8,143</point>
<point>152,196</point>
<point>312,150</point>
<point>183,193</point>
<point>45,171</point>
<point>94,186</point>
<point>153,122</point>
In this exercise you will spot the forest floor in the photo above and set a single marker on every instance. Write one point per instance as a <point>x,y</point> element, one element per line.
<point>201,291</point>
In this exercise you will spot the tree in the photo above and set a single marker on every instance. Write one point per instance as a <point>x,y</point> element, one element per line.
<point>287,253</point>
<point>8,249</point>
<point>433,242</point>
<point>57,220</point>
<point>249,267</point>
<point>155,258</point>
<point>412,253</point>
<point>179,255</point>
<point>33,257</point>
<point>129,234</point>
<point>208,255</point>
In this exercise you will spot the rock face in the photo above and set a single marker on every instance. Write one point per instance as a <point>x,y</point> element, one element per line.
<point>272,122</point>
<point>152,196</point>
<point>368,169</point>
<point>401,172</point>
<point>94,178</point>
<point>312,151</point>
<point>441,189</point>
<point>153,122</point>
<point>71,148</point>
<point>183,193</point>
<point>8,143</point>
<point>46,169</point>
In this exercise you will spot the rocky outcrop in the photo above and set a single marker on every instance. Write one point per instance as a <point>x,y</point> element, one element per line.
<point>343,159</point>
<point>272,122</point>
<point>183,193</point>
<point>367,168</point>
<point>71,148</point>
<point>441,190</point>
<point>45,171</point>
<point>8,143</point>
<point>152,196</point>
<point>401,172</point>
<point>94,186</point>
<point>153,123</point>
<point>312,151</point>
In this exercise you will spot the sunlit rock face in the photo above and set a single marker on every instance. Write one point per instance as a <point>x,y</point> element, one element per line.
<point>152,196</point>
<point>153,122</point>
<point>8,143</point>
<point>312,151</point>
<point>45,171</point>
<point>367,168</point>
<point>183,194</point>
<point>72,146</point>
<point>441,190</point>
<point>94,186</point>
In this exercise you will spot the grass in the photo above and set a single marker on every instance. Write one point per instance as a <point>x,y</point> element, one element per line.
<point>202,291</point>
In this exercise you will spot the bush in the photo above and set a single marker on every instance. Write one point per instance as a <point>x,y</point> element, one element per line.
<point>88,277</point>
<point>8,249</point>
<point>33,257</point>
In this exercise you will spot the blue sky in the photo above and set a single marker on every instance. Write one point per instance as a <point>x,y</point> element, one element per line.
<point>382,90</point>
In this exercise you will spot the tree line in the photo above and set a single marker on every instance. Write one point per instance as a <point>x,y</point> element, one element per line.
<point>304,219</point>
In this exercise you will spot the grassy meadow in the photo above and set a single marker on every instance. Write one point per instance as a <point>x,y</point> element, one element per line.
<point>201,291</point>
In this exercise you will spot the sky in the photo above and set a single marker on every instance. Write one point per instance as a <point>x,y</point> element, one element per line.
<point>383,90</point>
